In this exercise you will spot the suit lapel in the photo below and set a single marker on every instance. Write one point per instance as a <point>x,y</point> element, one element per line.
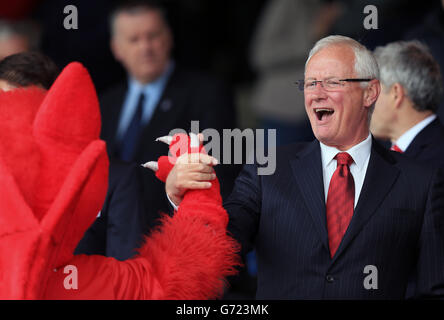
<point>379,179</point>
<point>424,138</point>
<point>307,169</point>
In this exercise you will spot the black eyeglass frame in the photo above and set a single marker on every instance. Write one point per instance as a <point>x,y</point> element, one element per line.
<point>301,83</point>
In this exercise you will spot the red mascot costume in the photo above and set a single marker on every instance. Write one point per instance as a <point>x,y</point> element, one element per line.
<point>53,173</point>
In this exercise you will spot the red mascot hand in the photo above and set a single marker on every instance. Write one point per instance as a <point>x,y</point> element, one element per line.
<point>206,203</point>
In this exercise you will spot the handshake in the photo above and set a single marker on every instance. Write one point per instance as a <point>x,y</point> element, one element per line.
<point>189,167</point>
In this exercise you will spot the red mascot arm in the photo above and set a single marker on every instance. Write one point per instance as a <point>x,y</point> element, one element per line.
<point>187,257</point>
<point>192,251</point>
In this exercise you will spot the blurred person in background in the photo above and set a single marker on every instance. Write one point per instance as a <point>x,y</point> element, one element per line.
<point>157,96</point>
<point>430,31</point>
<point>405,112</point>
<point>18,36</point>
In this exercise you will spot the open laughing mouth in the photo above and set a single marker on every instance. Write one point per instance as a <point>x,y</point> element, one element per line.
<point>323,113</point>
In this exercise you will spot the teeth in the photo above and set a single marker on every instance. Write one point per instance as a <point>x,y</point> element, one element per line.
<point>323,110</point>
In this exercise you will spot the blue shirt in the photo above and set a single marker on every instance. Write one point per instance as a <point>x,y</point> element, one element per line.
<point>153,92</point>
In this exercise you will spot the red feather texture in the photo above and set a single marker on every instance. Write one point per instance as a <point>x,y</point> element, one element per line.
<point>53,171</point>
<point>18,148</point>
<point>192,245</point>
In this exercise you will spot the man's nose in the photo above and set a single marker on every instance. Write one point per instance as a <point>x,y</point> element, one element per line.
<point>145,44</point>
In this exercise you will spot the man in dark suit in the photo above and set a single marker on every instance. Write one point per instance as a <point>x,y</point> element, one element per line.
<point>405,110</point>
<point>159,95</point>
<point>341,217</point>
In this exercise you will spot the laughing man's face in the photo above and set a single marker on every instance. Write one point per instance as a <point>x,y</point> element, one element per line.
<point>338,117</point>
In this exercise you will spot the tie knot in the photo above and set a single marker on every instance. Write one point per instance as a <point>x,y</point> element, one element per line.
<point>343,158</point>
<point>396,148</point>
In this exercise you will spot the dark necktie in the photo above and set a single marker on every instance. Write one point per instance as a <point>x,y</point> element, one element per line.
<point>340,201</point>
<point>132,135</point>
<point>396,148</point>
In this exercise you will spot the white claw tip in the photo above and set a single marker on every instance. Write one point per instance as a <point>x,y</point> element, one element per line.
<point>165,139</point>
<point>151,165</point>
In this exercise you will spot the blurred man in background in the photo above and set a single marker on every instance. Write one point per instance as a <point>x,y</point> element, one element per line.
<point>430,31</point>
<point>158,95</point>
<point>18,36</point>
<point>405,110</point>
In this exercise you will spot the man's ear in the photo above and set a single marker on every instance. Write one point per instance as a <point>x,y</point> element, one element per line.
<point>371,93</point>
<point>397,93</point>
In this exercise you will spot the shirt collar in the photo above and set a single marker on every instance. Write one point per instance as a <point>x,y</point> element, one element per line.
<point>407,137</point>
<point>359,152</point>
<point>136,87</point>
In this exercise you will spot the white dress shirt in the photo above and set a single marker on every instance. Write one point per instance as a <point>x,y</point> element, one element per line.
<point>361,156</point>
<point>407,137</point>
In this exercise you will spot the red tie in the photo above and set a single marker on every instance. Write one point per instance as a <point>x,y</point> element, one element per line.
<point>396,148</point>
<point>340,201</point>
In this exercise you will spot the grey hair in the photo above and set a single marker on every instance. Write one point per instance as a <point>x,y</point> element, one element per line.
<point>365,62</point>
<point>135,7</point>
<point>410,64</point>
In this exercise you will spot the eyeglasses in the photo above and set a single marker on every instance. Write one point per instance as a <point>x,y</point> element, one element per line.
<point>328,84</point>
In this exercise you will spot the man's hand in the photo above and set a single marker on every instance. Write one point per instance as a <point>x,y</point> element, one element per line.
<point>191,171</point>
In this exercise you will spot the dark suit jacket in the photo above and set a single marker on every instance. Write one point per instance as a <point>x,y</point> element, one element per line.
<point>428,145</point>
<point>187,96</point>
<point>398,224</point>
<point>120,228</point>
